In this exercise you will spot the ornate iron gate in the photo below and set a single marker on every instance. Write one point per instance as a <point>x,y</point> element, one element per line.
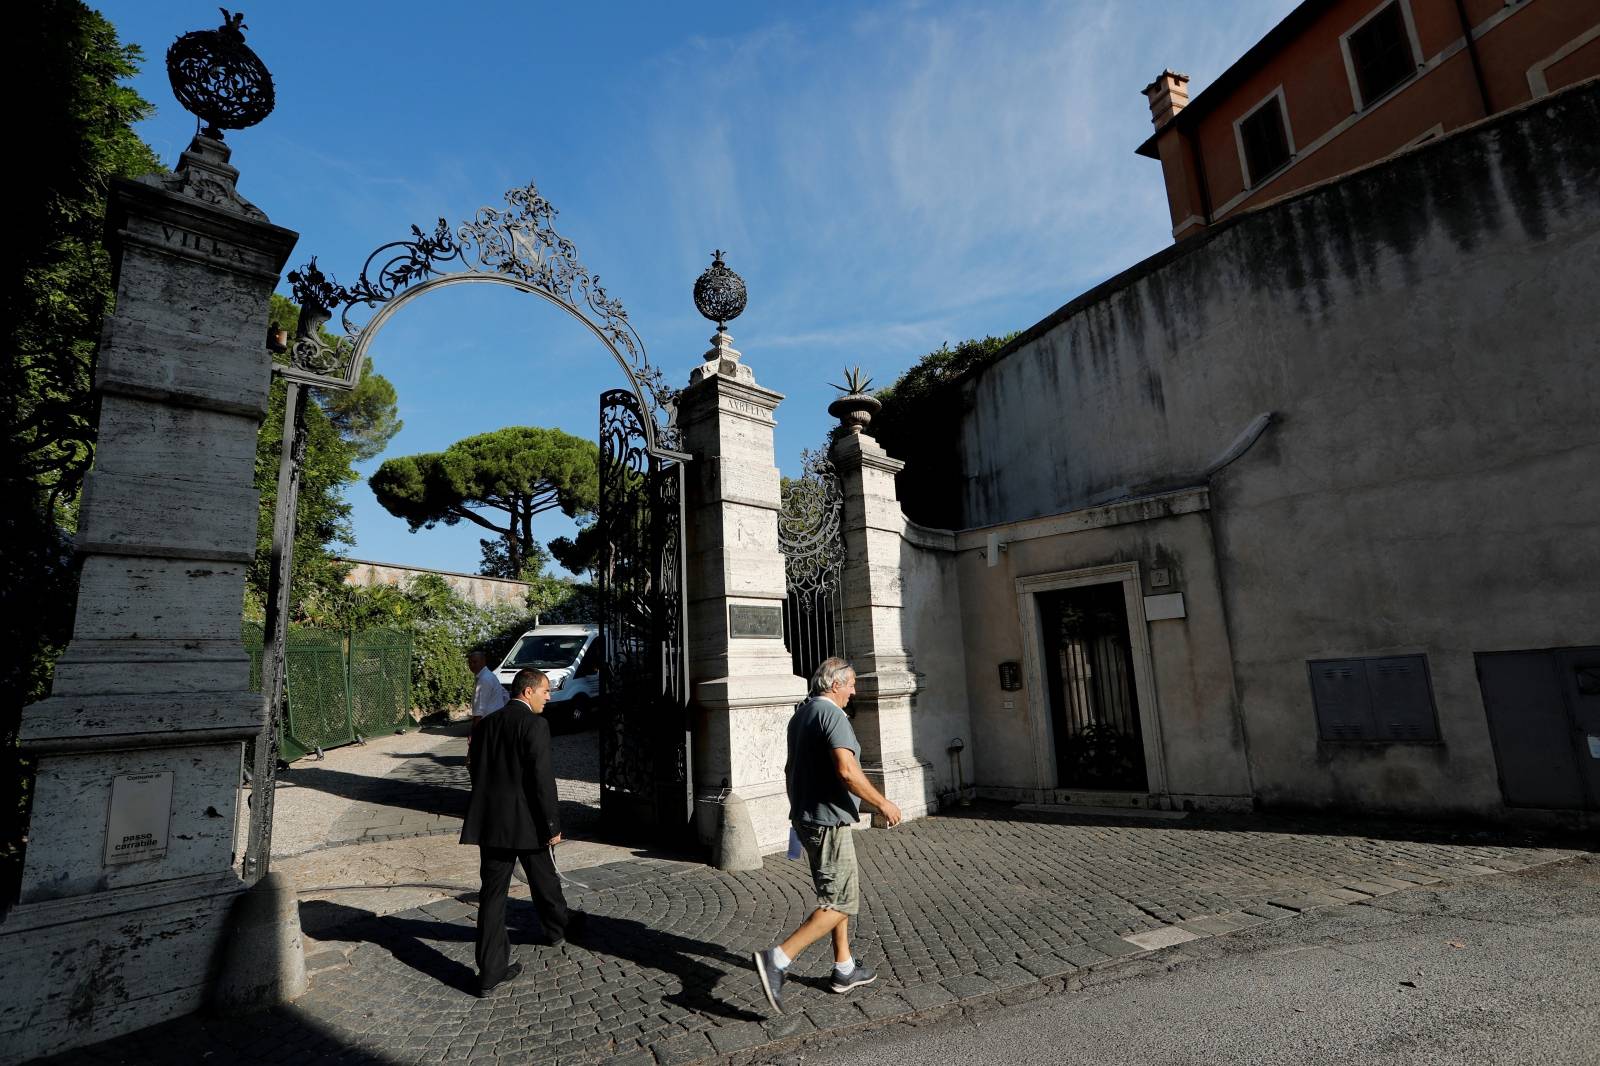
<point>646,787</point>
<point>515,246</point>
<point>811,536</point>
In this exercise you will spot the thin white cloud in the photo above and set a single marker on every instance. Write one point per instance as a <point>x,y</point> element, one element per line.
<point>940,159</point>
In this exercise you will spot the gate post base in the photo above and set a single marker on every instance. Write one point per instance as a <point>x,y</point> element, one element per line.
<point>736,837</point>
<point>263,960</point>
<point>740,749</point>
<point>908,783</point>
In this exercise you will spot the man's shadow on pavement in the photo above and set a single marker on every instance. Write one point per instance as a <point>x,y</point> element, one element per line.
<point>406,939</point>
<point>668,953</point>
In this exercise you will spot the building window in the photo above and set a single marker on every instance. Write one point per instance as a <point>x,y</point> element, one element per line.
<point>1380,53</point>
<point>1264,140</point>
<point>1385,699</point>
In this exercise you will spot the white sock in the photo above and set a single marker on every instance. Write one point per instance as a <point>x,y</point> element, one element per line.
<point>845,968</point>
<point>780,959</point>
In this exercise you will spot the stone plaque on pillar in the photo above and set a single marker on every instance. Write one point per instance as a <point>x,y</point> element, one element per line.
<point>763,621</point>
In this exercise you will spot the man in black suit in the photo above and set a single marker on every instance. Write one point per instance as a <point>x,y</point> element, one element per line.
<point>514,818</point>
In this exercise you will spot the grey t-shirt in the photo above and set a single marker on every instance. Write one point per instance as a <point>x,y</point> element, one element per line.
<point>816,794</point>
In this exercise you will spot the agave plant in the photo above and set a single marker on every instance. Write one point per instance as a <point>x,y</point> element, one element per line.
<point>855,383</point>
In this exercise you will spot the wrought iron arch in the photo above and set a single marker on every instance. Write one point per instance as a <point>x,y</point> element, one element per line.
<point>517,247</point>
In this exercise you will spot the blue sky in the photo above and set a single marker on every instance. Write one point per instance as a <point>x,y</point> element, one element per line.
<point>886,177</point>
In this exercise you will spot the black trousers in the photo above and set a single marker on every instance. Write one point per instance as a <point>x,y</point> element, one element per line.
<point>544,884</point>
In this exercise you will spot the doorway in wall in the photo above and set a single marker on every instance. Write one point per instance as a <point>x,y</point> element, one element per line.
<point>1094,699</point>
<point>1544,718</point>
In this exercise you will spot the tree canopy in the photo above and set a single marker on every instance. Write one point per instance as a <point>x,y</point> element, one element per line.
<point>342,428</point>
<point>927,395</point>
<point>499,481</point>
<point>76,126</point>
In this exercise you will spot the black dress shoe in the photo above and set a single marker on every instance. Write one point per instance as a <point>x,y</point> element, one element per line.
<point>511,974</point>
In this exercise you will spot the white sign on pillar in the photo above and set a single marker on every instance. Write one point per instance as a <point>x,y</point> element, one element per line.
<point>140,816</point>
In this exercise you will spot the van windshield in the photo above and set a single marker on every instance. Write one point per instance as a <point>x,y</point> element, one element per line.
<point>545,651</point>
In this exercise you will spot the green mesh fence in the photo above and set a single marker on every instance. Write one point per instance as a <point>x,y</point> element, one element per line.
<point>253,635</point>
<point>339,688</point>
<point>319,696</point>
<point>380,680</point>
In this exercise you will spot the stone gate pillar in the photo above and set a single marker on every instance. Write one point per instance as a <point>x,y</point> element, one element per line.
<point>741,675</point>
<point>130,866</point>
<point>874,536</point>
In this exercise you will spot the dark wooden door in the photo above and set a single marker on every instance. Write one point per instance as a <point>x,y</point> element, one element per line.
<point>1094,701</point>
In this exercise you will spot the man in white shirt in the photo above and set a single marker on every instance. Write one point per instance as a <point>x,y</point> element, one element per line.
<point>488,697</point>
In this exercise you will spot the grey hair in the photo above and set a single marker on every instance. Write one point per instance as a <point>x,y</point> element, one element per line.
<point>527,680</point>
<point>829,673</point>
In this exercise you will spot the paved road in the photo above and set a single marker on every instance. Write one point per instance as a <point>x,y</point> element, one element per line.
<point>958,909</point>
<point>1502,969</point>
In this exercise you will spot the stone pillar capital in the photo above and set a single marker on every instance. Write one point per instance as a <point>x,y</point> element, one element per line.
<point>715,396</point>
<point>722,361</point>
<point>859,454</point>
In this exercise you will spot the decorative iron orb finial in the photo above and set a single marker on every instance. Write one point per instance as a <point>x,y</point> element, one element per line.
<point>314,289</point>
<point>719,292</point>
<point>216,77</point>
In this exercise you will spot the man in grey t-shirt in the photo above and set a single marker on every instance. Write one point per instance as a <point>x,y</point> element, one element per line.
<point>825,783</point>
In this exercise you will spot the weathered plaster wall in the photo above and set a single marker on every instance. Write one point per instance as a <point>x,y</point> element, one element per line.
<point>1424,332</point>
<point>1201,736</point>
<point>932,598</point>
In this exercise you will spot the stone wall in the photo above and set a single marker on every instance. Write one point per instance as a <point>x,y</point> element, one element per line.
<point>476,589</point>
<point>939,710</point>
<point>1194,737</point>
<point>1422,333</point>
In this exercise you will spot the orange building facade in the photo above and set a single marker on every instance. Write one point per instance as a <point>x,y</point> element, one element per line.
<point>1342,83</point>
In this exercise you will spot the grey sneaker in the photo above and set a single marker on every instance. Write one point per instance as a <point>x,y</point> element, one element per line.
<point>858,977</point>
<point>771,975</point>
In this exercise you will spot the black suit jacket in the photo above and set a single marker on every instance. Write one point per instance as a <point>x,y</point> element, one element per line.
<point>513,786</point>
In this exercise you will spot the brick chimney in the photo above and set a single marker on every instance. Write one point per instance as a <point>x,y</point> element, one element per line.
<point>1168,95</point>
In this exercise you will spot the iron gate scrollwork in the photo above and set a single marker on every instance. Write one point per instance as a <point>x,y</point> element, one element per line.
<point>646,787</point>
<point>811,537</point>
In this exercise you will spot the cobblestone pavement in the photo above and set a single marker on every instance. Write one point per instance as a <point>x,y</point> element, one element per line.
<point>978,904</point>
<point>374,826</point>
<point>414,785</point>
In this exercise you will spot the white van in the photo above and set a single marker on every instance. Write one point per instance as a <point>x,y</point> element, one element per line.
<point>570,658</point>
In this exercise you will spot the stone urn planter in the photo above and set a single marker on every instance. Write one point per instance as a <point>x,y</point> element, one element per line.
<point>855,408</point>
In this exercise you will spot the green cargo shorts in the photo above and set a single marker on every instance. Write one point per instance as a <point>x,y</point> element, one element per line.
<point>832,854</point>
